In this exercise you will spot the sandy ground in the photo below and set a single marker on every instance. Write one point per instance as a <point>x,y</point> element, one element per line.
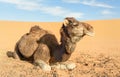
<point>97,56</point>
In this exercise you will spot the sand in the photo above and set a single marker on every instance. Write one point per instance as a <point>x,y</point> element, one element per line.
<point>97,56</point>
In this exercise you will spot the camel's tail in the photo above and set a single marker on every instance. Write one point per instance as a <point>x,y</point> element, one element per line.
<point>10,54</point>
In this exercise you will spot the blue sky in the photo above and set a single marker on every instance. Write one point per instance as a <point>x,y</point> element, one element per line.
<point>57,10</point>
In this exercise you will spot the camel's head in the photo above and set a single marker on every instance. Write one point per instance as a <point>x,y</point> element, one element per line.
<point>78,28</point>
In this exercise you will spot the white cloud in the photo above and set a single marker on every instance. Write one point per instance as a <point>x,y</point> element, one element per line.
<point>71,1</point>
<point>59,11</point>
<point>89,3</point>
<point>22,4</point>
<point>37,5</point>
<point>106,12</point>
<point>74,14</point>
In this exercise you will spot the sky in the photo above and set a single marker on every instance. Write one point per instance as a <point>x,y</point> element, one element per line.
<point>57,10</point>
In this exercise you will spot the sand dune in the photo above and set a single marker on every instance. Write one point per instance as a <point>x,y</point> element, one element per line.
<point>12,31</point>
<point>98,56</point>
<point>106,39</point>
<point>106,34</point>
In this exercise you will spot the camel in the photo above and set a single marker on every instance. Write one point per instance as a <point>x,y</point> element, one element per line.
<point>42,48</point>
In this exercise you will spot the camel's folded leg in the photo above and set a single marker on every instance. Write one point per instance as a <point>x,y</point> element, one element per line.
<point>64,65</point>
<point>42,56</point>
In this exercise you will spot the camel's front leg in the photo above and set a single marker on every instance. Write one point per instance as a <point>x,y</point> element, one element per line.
<point>42,56</point>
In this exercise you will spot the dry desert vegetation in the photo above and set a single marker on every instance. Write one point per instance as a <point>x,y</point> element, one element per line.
<point>97,56</point>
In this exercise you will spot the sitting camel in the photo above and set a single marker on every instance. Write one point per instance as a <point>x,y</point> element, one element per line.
<point>42,48</point>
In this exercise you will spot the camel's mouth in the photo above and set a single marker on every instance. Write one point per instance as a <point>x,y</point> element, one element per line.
<point>90,34</point>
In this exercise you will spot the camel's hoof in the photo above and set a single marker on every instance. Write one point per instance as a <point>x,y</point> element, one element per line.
<point>43,65</point>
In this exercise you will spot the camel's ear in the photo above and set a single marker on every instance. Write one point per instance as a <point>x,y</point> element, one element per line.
<point>88,29</point>
<point>65,22</point>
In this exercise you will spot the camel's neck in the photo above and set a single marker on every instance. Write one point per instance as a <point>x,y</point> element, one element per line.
<point>66,40</point>
<point>66,49</point>
<point>67,46</point>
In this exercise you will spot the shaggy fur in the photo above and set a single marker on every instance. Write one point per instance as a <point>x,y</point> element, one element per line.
<point>41,45</point>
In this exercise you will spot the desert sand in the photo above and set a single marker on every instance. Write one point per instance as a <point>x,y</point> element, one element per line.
<point>97,56</point>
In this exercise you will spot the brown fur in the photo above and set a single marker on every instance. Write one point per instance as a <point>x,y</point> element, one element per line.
<point>28,42</point>
<point>42,45</point>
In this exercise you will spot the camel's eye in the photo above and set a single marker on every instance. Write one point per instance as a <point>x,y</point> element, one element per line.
<point>70,23</point>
